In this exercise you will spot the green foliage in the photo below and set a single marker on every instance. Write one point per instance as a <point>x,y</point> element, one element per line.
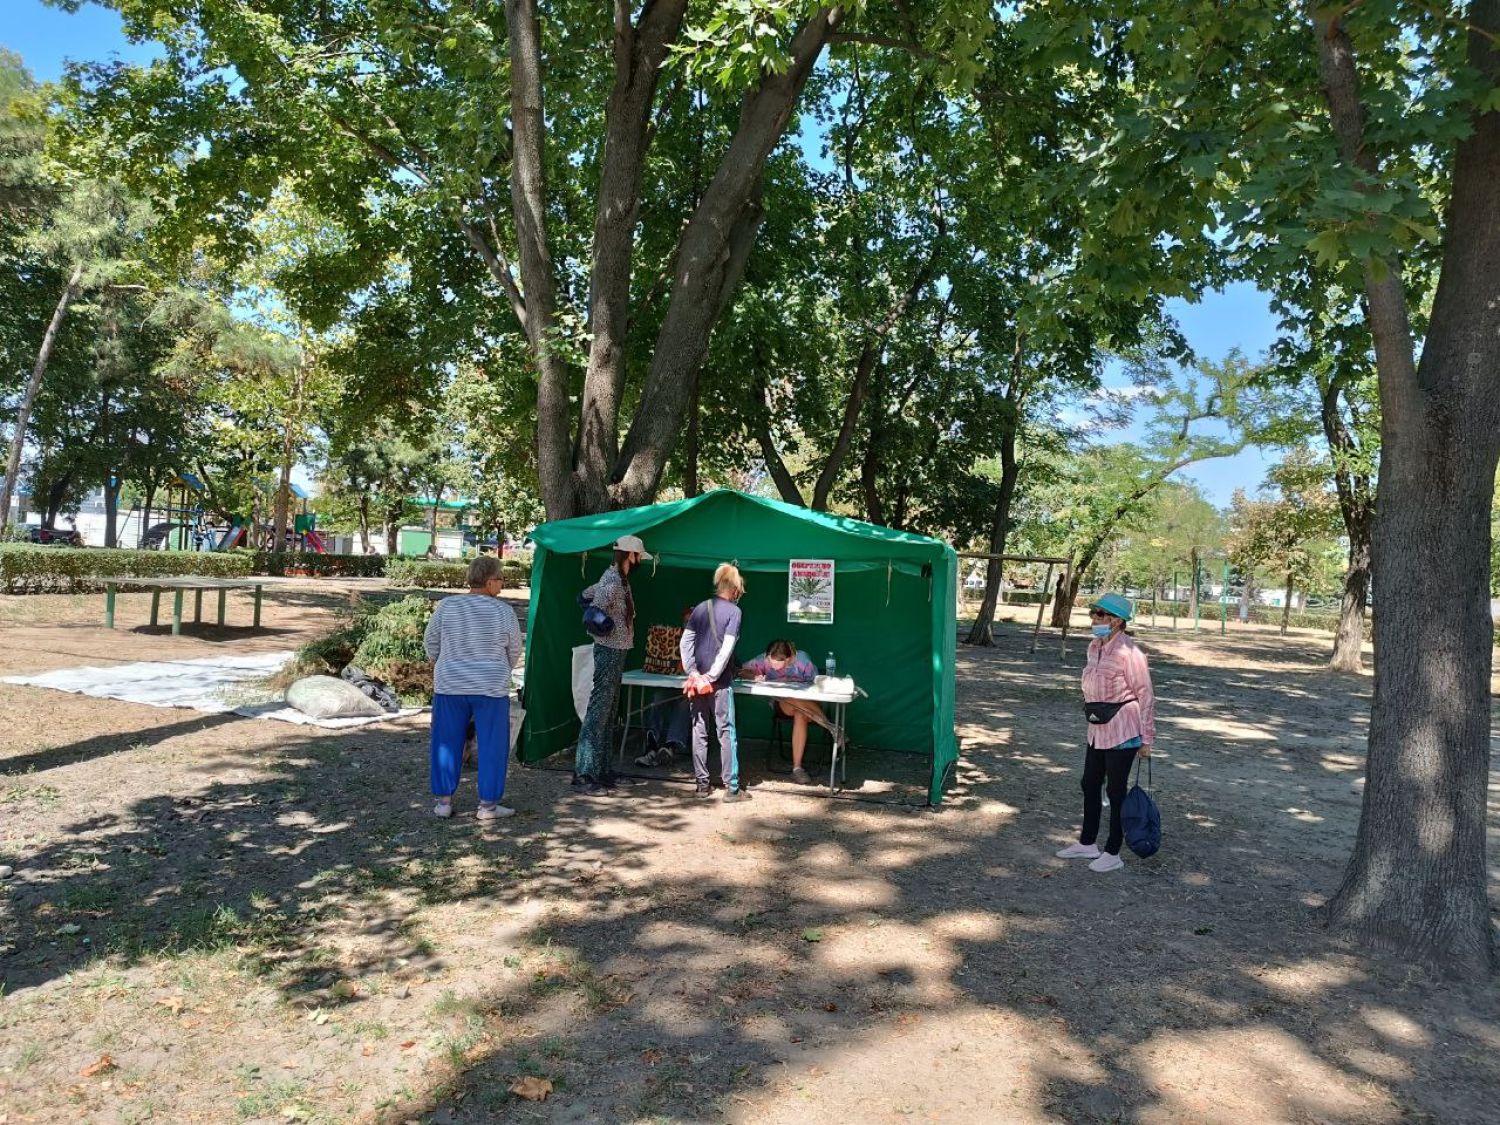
<point>427,574</point>
<point>390,647</point>
<point>316,565</point>
<point>26,569</point>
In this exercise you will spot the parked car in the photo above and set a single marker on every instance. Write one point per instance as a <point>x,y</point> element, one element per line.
<point>54,536</point>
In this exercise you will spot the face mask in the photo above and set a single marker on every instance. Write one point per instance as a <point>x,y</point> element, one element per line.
<point>1102,630</point>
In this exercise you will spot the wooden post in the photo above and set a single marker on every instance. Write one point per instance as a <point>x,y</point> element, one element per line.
<point>257,607</point>
<point>1041,607</point>
<point>197,607</point>
<point>221,606</point>
<point>177,611</point>
<point>109,605</point>
<point>155,604</point>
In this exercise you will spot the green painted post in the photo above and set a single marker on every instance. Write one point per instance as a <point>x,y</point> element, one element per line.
<point>155,605</point>
<point>109,606</point>
<point>197,607</point>
<point>1224,602</point>
<point>177,611</point>
<point>221,606</point>
<point>257,607</point>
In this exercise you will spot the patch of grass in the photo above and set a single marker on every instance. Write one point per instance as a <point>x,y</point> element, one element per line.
<point>280,1098</point>
<point>43,796</point>
<point>86,899</point>
<point>26,1056</point>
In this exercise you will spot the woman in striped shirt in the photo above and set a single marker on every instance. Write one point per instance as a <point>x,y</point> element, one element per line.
<point>1121,711</point>
<point>474,640</point>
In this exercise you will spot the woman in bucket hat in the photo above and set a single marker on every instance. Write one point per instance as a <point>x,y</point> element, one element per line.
<point>592,772</point>
<point>1121,712</point>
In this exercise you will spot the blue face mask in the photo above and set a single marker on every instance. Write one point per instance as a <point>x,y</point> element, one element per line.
<point>1102,630</point>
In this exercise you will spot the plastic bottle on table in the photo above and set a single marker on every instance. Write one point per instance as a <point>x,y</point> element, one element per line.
<point>831,667</point>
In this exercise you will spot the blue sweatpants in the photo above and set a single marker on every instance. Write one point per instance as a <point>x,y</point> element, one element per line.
<point>450,723</point>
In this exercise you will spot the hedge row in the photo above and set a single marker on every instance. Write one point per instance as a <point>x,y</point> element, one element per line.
<point>30,569</point>
<point>444,575</point>
<point>318,566</point>
<point>27,569</point>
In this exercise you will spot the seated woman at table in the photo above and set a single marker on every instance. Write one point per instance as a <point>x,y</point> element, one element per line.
<point>784,663</point>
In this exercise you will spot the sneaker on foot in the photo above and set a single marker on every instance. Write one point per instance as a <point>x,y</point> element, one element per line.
<point>1107,862</point>
<point>704,790</point>
<point>1079,851</point>
<point>594,789</point>
<point>493,812</point>
<point>736,795</point>
<point>443,808</point>
<point>623,782</point>
<point>799,775</point>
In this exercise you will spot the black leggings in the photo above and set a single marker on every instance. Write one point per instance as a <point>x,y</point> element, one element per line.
<point>1110,769</point>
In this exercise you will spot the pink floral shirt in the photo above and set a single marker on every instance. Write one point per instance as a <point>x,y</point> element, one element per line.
<point>1116,672</point>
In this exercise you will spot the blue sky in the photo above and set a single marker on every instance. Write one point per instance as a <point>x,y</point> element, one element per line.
<point>1238,317</point>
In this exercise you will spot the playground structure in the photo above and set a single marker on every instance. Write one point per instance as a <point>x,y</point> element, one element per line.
<point>187,527</point>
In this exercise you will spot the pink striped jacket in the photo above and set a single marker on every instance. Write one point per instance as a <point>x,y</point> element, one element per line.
<point>1116,672</point>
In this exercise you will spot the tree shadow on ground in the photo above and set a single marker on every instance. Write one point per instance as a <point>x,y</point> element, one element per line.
<point>787,961</point>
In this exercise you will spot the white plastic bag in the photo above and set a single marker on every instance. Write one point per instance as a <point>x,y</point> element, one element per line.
<point>517,717</point>
<point>583,678</point>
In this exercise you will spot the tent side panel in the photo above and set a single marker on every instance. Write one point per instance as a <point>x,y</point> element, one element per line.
<point>551,632</point>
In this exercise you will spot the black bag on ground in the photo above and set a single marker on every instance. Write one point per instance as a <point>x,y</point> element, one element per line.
<point>1140,818</point>
<point>371,687</point>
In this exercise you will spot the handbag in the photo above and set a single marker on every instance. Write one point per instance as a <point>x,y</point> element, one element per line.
<point>1140,819</point>
<point>596,622</point>
<point>1101,713</point>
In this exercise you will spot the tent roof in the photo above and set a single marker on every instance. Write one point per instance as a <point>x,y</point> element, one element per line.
<point>821,534</point>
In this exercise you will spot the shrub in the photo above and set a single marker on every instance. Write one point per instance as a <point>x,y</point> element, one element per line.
<point>28,569</point>
<point>427,574</point>
<point>280,563</point>
<point>390,647</point>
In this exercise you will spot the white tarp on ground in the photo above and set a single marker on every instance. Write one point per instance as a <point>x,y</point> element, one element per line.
<point>215,685</point>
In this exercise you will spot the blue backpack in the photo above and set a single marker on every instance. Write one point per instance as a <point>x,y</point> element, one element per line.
<point>1140,818</point>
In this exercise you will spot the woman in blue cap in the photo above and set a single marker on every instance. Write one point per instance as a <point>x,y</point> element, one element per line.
<point>1121,712</point>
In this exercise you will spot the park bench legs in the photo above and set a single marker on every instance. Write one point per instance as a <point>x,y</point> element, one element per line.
<point>177,611</point>
<point>257,607</point>
<point>197,607</point>
<point>221,606</point>
<point>155,606</point>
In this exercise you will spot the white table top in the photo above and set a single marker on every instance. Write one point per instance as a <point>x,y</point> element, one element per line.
<point>811,692</point>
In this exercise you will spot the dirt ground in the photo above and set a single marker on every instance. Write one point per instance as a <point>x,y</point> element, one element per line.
<point>215,919</point>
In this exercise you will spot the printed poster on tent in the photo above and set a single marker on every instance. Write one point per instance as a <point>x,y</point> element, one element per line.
<point>809,595</point>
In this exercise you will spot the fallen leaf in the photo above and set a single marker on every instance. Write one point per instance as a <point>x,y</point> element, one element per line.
<point>651,1056</point>
<point>289,1064</point>
<point>172,1004</point>
<point>102,1065</point>
<point>367,1050</point>
<point>345,989</point>
<point>408,1045</point>
<point>532,1088</point>
<point>812,935</point>
<point>830,1007</point>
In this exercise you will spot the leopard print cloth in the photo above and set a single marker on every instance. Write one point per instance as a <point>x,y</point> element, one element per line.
<point>663,651</point>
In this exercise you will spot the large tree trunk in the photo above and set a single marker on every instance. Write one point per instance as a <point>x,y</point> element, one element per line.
<point>33,385</point>
<point>983,630</point>
<point>1194,593</point>
<point>364,523</point>
<point>1348,645</point>
<point>711,258</point>
<point>283,493</point>
<point>1286,608</point>
<point>111,509</point>
<point>146,502</point>
<point>1417,882</point>
<point>690,485</point>
<point>1067,593</point>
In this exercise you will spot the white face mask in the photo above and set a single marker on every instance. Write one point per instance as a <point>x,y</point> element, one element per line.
<point>1102,630</point>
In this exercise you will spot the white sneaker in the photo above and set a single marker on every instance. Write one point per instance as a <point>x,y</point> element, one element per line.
<point>493,812</point>
<point>1079,851</point>
<point>442,808</point>
<point>1107,862</point>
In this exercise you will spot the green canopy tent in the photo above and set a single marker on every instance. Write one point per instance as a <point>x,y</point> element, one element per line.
<point>893,620</point>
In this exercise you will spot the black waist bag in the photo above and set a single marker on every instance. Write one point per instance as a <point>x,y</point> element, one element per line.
<point>1101,713</point>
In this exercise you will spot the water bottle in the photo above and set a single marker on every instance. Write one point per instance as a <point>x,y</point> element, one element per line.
<point>831,667</point>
